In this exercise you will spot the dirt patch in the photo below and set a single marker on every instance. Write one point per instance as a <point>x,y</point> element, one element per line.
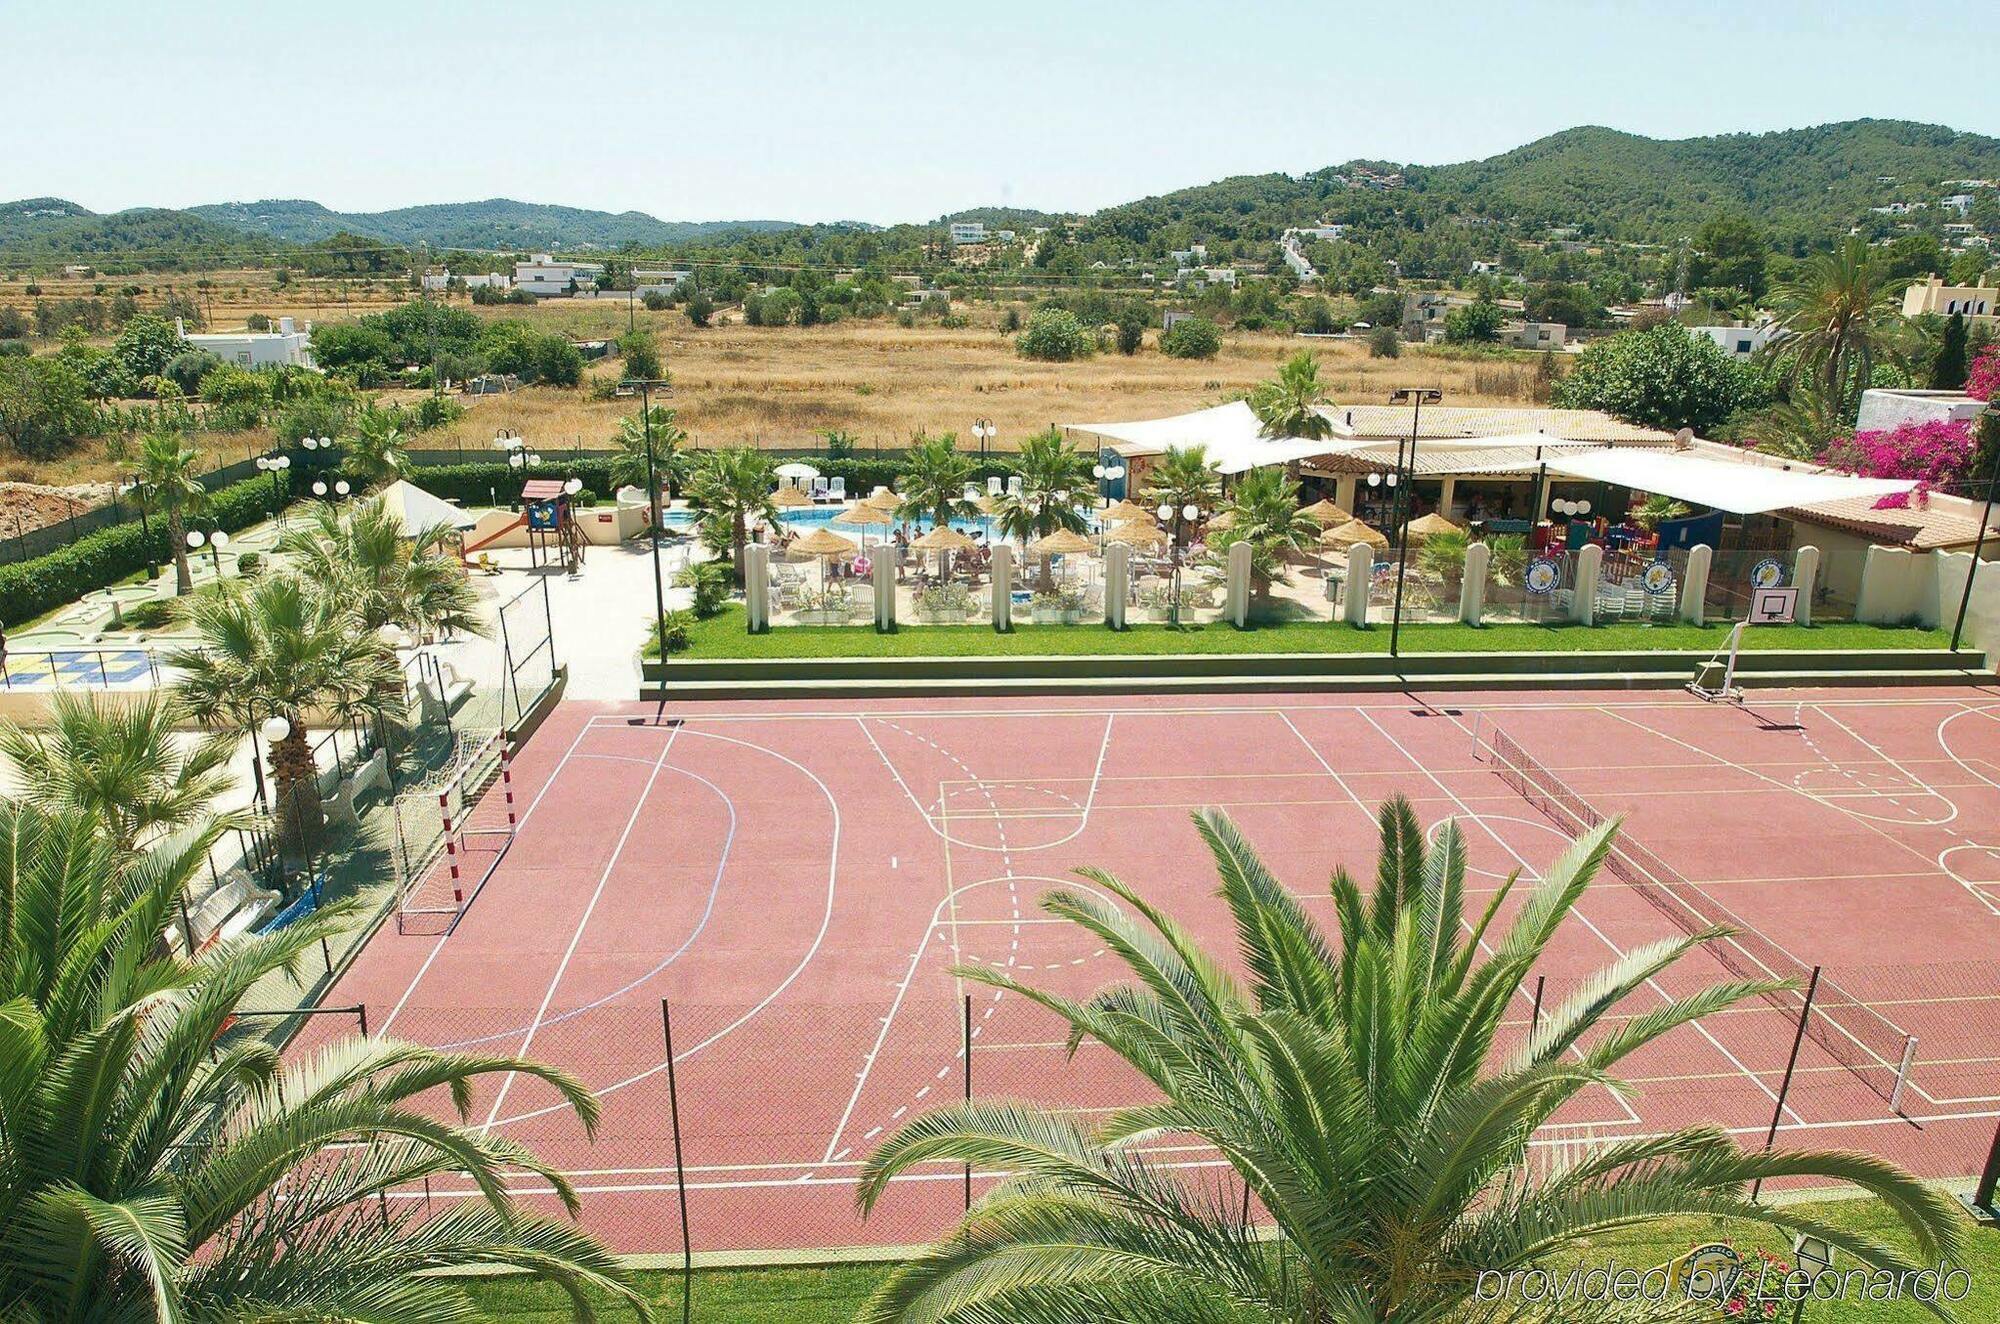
<point>25,507</point>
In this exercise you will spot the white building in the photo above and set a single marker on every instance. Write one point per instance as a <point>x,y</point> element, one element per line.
<point>1884,408</point>
<point>1738,342</point>
<point>545,276</point>
<point>1484,269</point>
<point>1538,335</point>
<point>968,232</point>
<point>436,281</point>
<point>286,347</point>
<point>1958,202</point>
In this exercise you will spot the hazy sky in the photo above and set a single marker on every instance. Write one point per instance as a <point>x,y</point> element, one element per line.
<point>886,111</point>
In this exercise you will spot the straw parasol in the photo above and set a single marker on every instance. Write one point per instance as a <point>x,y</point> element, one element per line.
<point>1062,542</point>
<point>1137,533</point>
<point>883,499</point>
<point>1354,531</point>
<point>1430,525</point>
<point>1124,510</point>
<point>944,538</point>
<point>1326,514</point>
<point>1222,519</point>
<point>991,503</point>
<point>861,515</point>
<point>791,495</point>
<point>823,543</point>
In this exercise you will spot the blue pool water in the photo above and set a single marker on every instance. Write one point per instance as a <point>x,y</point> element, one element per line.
<point>809,517</point>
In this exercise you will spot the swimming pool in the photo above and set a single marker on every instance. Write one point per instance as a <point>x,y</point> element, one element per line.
<point>823,516</point>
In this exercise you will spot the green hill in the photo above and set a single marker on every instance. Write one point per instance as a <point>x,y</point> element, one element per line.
<point>500,224</point>
<point>37,231</point>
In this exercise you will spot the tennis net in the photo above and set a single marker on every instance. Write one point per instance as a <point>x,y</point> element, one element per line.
<point>1860,1038</point>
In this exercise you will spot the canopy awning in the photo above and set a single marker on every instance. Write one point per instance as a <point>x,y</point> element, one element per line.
<point>1231,433</point>
<point>417,510</point>
<point>1744,488</point>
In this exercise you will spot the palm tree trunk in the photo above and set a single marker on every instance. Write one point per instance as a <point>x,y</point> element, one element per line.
<point>1046,582</point>
<point>177,543</point>
<point>738,537</point>
<point>296,789</point>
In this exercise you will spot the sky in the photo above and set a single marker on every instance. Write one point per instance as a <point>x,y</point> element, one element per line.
<point>885,111</point>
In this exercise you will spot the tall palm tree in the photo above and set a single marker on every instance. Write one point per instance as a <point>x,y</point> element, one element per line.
<point>165,472</point>
<point>283,648</point>
<point>1184,477</point>
<point>154,1166</point>
<point>359,552</point>
<point>1288,405</point>
<point>1264,512</point>
<point>1352,1081</point>
<point>122,759</point>
<point>376,450</point>
<point>933,485</point>
<point>1055,485</point>
<point>731,487</point>
<point>630,468</point>
<point>1837,310</point>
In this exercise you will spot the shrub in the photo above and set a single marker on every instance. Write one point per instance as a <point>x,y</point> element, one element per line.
<point>1131,329</point>
<point>641,355</point>
<point>1055,336</point>
<point>712,582</point>
<point>1665,377</point>
<point>187,369</point>
<point>1384,343</point>
<point>656,301</point>
<point>249,563</point>
<point>674,629</point>
<point>148,615</point>
<point>1192,338</point>
<point>1475,324</point>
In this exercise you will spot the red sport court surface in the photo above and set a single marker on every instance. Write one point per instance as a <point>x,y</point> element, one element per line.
<point>799,879</point>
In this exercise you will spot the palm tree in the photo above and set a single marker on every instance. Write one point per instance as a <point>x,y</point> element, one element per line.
<point>360,553</point>
<point>1055,484</point>
<point>630,467</point>
<point>121,759</point>
<point>165,472</point>
<point>1350,1081</point>
<point>376,451</point>
<point>1837,309</point>
<point>1288,404</point>
<point>157,1166</point>
<point>1264,512</point>
<point>1182,478</point>
<point>933,485</point>
<point>731,487</point>
<point>284,648</point>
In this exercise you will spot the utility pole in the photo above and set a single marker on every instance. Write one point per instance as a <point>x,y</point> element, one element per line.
<point>1416,397</point>
<point>644,386</point>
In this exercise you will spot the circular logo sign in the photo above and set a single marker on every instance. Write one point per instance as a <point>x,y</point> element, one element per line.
<point>1768,573</point>
<point>1543,576</point>
<point>1658,578</point>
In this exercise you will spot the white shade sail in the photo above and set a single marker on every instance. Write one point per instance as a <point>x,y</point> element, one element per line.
<point>1234,438</point>
<point>416,510</point>
<point>1741,488</point>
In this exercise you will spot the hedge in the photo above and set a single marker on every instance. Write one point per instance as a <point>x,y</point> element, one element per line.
<point>477,484</point>
<point>97,560</point>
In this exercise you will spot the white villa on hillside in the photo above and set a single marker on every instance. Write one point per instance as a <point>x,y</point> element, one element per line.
<point>545,276</point>
<point>285,347</point>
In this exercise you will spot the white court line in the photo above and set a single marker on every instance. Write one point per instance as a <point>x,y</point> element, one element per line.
<point>554,775</point>
<point>576,937</point>
<point>1581,917</point>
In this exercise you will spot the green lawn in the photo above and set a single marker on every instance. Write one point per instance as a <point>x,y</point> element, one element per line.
<point>723,636</point>
<point>821,1296</point>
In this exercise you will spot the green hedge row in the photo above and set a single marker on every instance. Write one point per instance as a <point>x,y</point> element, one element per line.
<point>477,484</point>
<point>41,584</point>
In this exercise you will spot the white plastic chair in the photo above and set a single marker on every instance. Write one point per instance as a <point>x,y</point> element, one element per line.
<point>1014,486</point>
<point>837,489</point>
<point>819,489</point>
<point>995,485</point>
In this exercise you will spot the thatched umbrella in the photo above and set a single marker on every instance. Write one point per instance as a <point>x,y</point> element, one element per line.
<point>1124,510</point>
<point>791,494</point>
<point>1063,542</point>
<point>861,515</point>
<point>943,540</point>
<point>883,499</point>
<point>1137,533</point>
<point>1354,531</point>
<point>1222,519</point>
<point>823,545</point>
<point>1326,514</point>
<point>1430,525</point>
<point>992,502</point>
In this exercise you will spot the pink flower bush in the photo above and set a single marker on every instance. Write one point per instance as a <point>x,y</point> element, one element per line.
<point>1982,380</point>
<point>1934,454</point>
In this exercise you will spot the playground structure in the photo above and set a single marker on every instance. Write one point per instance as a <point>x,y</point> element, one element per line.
<point>601,526</point>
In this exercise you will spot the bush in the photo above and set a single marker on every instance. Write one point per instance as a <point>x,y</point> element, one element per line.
<point>641,355</point>
<point>1665,377</point>
<point>148,615</point>
<point>656,301</point>
<point>1384,343</point>
<point>674,629</point>
<point>1475,324</point>
<point>1192,338</point>
<point>249,563</point>
<point>1055,336</point>
<point>186,369</point>
<point>712,582</point>
<point>1131,329</point>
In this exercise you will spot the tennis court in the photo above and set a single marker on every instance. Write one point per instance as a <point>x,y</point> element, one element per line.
<point>798,879</point>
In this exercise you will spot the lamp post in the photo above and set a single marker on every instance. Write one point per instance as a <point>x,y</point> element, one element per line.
<point>137,490</point>
<point>276,464</point>
<point>1190,513</point>
<point>216,542</point>
<point>1105,474</point>
<point>984,430</point>
<point>644,386</point>
<point>1416,397</point>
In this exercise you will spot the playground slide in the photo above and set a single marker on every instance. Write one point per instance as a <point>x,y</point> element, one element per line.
<point>485,538</point>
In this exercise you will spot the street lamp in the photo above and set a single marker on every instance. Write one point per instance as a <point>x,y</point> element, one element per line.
<point>1105,474</point>
<point>1416,397</point>
<point>216,542</point>
<point>276,465</point>
<point>985,431</point>
<point>644,386</point>
<point>1188,513</point>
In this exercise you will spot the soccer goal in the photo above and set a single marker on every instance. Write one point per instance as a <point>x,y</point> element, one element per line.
<point>451,832</point>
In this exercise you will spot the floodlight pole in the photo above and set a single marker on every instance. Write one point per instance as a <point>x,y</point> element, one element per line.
<point>1415,397</point>
<point>1978,546</point>
<point>1981,1200</point>
<point>645,387</point>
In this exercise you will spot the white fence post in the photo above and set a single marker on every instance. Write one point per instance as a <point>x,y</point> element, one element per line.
<point>1238,595</point>
<point>1583,593</point>
<point>1360,581</point>
<point>1472,591</point>
<point>1003,586</point>
<point>1117,583</point>
<point>757,587</point>
<point>1694,584</point>
<point>883,571</point>
<point>1805,577</point>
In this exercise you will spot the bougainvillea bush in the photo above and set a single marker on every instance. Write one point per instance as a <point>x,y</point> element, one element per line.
<point>1935,454</point>
<point>1982,379</point>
